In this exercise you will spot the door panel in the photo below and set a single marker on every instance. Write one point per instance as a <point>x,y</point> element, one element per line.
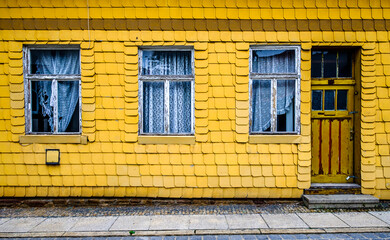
<point>332,126</point>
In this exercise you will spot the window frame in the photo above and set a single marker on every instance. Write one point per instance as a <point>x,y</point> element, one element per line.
<point>165,79</point>
<point>274,77</point>
<point>28,78</point>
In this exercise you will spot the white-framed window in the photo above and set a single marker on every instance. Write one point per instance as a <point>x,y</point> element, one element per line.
<point>52,89</point>
<point>166,91</point>
<point>274,89</point>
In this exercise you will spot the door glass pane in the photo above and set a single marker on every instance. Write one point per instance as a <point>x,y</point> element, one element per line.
<point>42,106</point>
<point>329,100</point>
<point>68,110</point>
<point>316,99</point>
<point>330,64</point>
<point>179,107</point>
<point>342,99</point>
<point>261,106</point>
<point>316,61</point>
<point>166,63</point>
<point>345,64</point>
<point>273,61</point>
<point>153,107</point>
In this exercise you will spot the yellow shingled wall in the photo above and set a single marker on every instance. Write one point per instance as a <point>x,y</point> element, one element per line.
<point>222,163</point>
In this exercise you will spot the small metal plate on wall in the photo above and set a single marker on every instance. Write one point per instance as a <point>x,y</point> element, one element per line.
<point>52,156</point>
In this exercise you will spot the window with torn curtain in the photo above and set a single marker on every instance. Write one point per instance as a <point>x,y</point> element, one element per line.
<point>274,87</point>
<point>166,91</point>
<point>52,83</point>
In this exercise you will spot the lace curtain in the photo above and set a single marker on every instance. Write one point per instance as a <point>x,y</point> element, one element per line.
<point>166,63</point>
<point>57,62</point>
<point>268,62</point>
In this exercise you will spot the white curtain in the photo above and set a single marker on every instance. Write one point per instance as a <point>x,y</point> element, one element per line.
<point>180,107</point>
<point>273,61</point>
<point>153,107</point>
<point>58,62</point>
<point>166,63</point>
<point>261,103</point>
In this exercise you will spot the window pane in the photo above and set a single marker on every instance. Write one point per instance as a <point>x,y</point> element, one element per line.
<point>330,64</point>
<point>316,62</point>
<point>285,105</point>
<point>166,63</point>
<point>316,100</point>
<point>180,107</point>
<point>329,99</point>
<point>273,61</point>
<point>55,62</point>
<point>68,106</point>
<point>42,106</point>
<point>345,64</point>
<point>342,99</point>
<point>153,107</point>
<point>261,105</point>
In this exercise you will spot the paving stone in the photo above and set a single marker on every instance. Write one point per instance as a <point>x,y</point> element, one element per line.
<point>127,223</point>
<point>384,216</point>
<point>56,224</point>
<point>93,224</point>
<point>283,221</point>
<point>169,222</point>
<point>360,219</point>
<point>20,224</point>
<point>321,220</point>
<point>208,222</point>
<point>245,221</point>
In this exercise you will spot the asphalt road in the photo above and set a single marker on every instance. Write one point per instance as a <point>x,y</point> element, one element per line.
<point>365,236</point>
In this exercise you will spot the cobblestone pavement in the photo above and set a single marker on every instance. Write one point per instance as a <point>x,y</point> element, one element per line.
<point>139,206</point>
<point>365,236</point>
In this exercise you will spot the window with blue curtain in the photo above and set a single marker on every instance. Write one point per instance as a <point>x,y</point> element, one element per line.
<point>54,87</point>
<point>166,89</point>
<point>274,77</point>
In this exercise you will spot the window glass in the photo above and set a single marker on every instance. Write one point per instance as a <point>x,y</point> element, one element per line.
<point>261,105</point>
<point>166,63</point>
<point>153,107</point>
<point>342,99</point>
<point>284,105</point>
<point>41,107</point>
<point>316,100</point>
<point>273,61</point>
<point>316,64</point>
<point>330,64</point>
<point>180,107</point>
<point>55,62</point>
<point>68,108</point>
<point>345,64</point>
<point>329,100</point>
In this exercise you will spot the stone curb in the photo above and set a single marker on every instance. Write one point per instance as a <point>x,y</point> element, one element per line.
<point>195,232</point>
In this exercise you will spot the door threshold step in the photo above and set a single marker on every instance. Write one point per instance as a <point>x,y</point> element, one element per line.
<point>333,188</point>
<point>322,201</point>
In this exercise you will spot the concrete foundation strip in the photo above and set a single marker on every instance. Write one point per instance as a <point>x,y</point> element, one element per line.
<point>194,232</point>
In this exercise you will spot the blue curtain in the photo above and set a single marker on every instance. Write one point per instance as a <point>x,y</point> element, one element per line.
<point>58,62</point>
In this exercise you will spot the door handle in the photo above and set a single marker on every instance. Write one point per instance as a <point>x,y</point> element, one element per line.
<point>353,112</point>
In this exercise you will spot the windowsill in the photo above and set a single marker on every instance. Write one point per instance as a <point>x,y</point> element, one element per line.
<point>274,139</point>
<point>166,139</point>
<point>76,139</point>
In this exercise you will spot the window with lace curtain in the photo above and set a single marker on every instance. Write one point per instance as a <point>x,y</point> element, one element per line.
<point>166,91</point>
<point>52,82</point>
<point>274,85</point>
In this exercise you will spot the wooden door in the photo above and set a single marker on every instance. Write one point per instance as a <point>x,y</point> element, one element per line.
<point>332,133</point>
